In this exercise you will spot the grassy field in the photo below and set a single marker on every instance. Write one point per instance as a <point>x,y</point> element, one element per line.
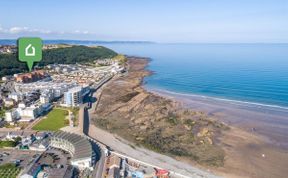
<point>75,112</point>
<point>55,120</point>
<point>9,171</point>
<point>7,144</point>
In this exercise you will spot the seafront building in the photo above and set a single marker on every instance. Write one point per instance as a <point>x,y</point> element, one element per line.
<point>79,147</point>
<point>74,96</point>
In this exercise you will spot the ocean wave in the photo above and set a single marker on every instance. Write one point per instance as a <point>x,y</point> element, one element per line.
<point>230,101</point>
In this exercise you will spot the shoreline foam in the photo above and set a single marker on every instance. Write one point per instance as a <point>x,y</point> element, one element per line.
<point>263,131</point>
<point>271,123</point>
<point>231,101</point>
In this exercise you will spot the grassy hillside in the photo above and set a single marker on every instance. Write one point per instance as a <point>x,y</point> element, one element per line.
<point>9,63</point>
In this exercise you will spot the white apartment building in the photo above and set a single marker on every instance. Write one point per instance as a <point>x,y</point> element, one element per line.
<point>25,114</point>
<point>47,96</point>
<point>74,96</point>
<point>15,96</point>
<point>11,116</point>
<point>29,113</point>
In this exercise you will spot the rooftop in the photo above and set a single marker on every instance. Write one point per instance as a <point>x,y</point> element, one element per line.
<point>75,89</point>
<point>83,148</point>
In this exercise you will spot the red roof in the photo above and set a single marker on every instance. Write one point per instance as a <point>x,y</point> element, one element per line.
<point>161,172</point>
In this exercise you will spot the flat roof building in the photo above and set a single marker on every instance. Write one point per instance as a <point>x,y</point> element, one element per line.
<point>73,97</point>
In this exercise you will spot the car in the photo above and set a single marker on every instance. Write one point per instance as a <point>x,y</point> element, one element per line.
<point>35,156</point>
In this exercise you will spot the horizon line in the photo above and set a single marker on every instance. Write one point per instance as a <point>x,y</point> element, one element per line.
<point>147,42</point>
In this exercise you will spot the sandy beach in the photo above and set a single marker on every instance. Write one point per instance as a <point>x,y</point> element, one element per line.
<point>268,122</point>
<point>252,147</point>
<point>256,145</point>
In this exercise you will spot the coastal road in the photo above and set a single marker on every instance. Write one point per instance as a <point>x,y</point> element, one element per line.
<point>123,149</point>
<point>83,129</point>
<point>99,168</point>
<point>98,147</point>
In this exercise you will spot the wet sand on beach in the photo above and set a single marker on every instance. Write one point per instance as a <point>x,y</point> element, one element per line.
<point>257,143</point>
<point>265,121</point>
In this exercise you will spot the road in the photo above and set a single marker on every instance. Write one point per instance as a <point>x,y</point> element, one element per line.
<point>123,149</point>
<point>18,132</point>
<point>99,167</point>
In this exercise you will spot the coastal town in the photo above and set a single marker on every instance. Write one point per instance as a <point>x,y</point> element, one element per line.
<point>36,106</point>
<point>89,115</point>
<point>144,89</point>
<point>83,112</point>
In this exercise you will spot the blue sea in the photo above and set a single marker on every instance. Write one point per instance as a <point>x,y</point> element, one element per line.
<point>256,73</point>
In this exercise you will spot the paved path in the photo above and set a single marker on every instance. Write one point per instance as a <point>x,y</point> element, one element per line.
<point>32,124</point>
<point>146,157</point>
<point>141,155</point>
<point>125,149</point>
<point>99,168</point>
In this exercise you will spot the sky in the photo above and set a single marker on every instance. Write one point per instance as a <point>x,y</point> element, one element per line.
<point>187,21</point>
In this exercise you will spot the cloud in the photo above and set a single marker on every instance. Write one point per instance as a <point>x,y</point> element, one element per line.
<point>15,30</point>
<point>27,30</point>
<point>18,30</point>
<point>81,32</point>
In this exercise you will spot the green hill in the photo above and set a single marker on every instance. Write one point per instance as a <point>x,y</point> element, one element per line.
<point>9,63</point>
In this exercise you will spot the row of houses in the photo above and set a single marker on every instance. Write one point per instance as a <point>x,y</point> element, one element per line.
<point>26,114</point>
<point>7,49</point>
<point>31,76</point>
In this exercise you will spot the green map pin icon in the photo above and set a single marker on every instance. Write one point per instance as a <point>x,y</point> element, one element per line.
<point>29,50</point>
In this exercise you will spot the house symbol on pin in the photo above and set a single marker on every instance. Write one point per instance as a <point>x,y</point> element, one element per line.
<point>30,50</point>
